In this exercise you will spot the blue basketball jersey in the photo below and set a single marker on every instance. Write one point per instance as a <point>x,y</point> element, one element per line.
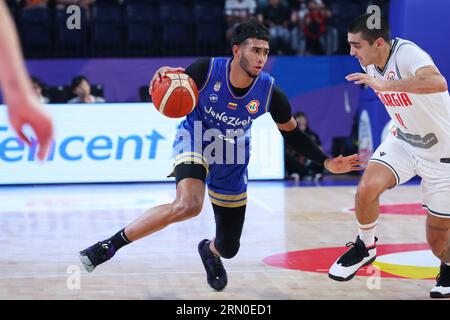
<point>223,119</point>
<point>218,107</point>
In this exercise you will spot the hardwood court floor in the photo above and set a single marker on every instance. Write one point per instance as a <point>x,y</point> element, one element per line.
<point>43,228</point>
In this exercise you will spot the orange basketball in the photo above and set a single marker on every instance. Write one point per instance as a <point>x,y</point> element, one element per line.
<point>175,95</point>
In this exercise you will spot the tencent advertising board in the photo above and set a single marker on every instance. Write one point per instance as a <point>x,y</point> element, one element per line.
<point>119,142</point>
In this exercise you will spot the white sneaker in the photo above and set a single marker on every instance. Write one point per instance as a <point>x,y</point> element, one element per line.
<point>442,288</point>
<point>352,260</point>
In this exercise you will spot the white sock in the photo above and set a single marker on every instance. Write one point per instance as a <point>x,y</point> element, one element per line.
<point>367,233</point>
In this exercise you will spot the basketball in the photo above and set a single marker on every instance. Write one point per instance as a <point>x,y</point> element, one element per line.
<point>175,94</point>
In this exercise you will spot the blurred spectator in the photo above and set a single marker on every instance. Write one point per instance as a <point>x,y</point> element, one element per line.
<point>82,3</point>
<point>143,94</point>
<point>237,11</point>
<point>315,26</point>
<point>37,88</point>
<point>31,4</point>
<point>330,41</point>
<point>298,41</point>
<point>313,32</point>
<point>297,166</point>
<point>261,3</point>
<point>276,16</point>
<point>14,3</point>
<point>82,89</point>
<point>300,7</point>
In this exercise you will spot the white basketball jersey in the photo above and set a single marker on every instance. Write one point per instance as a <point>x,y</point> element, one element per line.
<point>422,120</point>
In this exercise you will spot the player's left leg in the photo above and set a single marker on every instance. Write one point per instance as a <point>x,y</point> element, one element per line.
<point>229,224</point>
<point>227,189</point>
<point>226,243</point>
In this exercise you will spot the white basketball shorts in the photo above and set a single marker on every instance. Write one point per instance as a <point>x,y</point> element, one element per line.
<point>399,156</point>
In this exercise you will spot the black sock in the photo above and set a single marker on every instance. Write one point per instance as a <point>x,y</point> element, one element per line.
<point>119,239</point>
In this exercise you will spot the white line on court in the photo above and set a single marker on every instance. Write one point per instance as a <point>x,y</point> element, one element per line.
<point>260,203</point>
<point>66,275</point>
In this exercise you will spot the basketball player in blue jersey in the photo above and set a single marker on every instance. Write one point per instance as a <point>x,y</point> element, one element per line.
<point>233,93</point>
<point>23,107</point>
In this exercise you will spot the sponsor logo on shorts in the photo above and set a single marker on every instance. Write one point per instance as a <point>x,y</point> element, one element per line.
<point>417,140</point>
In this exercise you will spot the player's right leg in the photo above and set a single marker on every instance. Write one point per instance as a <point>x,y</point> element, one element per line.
<point>187,204</point>
<point>390,165</point>
<point>436,199</point>
<point>438,237</point>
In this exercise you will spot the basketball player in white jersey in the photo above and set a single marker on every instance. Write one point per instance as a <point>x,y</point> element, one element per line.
<point>23,107</point>
<point>415,95</point>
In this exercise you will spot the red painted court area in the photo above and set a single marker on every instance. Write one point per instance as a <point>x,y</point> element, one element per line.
<point>320,260</point>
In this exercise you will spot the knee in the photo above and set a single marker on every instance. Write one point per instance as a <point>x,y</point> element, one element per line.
<point>369,190</point>
<point>439,247</point>
<point>227,248</point>
<point>185,209</point>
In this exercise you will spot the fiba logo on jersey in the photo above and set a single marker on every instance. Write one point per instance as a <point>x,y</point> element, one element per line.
<point>391,75</point>
<point>252,106</point>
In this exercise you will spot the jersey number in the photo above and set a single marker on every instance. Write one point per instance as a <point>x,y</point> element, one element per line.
<point>400,120</point>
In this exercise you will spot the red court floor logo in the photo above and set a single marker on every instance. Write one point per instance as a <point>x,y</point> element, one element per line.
<point>407,261</point>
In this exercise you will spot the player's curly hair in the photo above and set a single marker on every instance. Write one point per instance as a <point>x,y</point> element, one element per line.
<point>248,30</point>
<point>359,24</point>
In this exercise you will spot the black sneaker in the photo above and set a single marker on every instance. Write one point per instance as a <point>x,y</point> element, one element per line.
<point>442,288</point>
<point>215,272</point>
<point>97,254</point>
<point>352,260</point>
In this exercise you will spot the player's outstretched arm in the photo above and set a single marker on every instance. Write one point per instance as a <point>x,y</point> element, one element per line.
<point>281,112</point>
<point>301,143</point>
<point>344,164</point>
<point>23,107</point>
<point>427,80</point>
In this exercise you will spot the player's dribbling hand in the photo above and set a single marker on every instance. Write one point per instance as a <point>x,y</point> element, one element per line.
<point>161,72</point>
<point>33,114</point>
<point>362,78</point>
<point>344,164</point>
